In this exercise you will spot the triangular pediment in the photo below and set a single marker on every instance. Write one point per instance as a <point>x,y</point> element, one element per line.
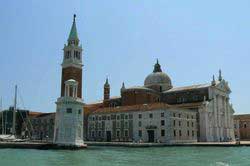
<point>223,86</point>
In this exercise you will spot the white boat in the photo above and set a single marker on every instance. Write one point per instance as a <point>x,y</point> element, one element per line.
<point>7,138</point>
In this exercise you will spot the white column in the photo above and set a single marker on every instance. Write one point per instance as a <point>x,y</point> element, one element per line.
<point>76,91</point>
<point>225,116</point>
<point>65,90</point>
<point>68,89</point>
<point>73,91</point>
<point>215,119</point>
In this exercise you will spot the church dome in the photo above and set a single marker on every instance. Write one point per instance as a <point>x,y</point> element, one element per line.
<point>158,80</point>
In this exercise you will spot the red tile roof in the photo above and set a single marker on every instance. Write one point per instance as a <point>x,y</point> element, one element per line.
<point>144,107</point>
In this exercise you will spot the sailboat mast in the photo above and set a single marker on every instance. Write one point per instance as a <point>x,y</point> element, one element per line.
<point>14,113</point>
<point>1,104</point>
<point>5,122</point>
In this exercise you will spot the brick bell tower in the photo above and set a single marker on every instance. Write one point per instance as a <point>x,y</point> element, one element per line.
<point>68,131</point>
<point>72,60</point>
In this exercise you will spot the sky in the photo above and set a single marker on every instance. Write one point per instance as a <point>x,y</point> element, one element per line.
<point>122,40</point>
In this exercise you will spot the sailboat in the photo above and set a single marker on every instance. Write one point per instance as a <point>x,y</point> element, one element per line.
<point>11,137</point>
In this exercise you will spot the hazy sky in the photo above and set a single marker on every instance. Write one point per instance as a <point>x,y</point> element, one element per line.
<point>121,39</point>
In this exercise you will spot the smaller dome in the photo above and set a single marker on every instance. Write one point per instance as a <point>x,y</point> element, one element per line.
<point>158,79</point>
<point>71,82</point>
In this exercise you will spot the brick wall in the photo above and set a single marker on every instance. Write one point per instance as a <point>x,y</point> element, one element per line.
<point>72,73</point>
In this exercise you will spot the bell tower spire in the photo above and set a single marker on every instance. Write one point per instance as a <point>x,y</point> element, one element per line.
<point>72,60</point>
<point>73,36</point>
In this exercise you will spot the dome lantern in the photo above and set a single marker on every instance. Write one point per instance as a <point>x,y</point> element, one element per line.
<point>157,67</point>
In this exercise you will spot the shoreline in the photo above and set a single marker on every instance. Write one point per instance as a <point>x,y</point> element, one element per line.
<point>131,144</point>
<point>50,146</point>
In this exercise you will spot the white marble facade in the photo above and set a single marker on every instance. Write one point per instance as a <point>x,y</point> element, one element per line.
<point>216,115</point>
<point>69,118</point>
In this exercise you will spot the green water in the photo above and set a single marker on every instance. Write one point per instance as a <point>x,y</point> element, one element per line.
<point>119,156</point>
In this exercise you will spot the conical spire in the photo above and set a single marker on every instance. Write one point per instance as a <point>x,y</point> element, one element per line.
<point>123,87</point>
<point>106,83</point>
<point>213,82</point>
<point>157,67</point>
<point>73,36</point>
<point>220,75</point>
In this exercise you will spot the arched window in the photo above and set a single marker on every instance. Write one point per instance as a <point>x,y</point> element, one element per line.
<point>68,55</point>
<point>77,55</point>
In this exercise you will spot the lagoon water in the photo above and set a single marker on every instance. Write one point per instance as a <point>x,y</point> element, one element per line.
<point>120,156</point>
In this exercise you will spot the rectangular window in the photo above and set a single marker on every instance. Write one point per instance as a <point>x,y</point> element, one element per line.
<point>179,115</point>
<point>79,111</point>
<point>174,133</point>
<point>140,133</point>
<point>174,122</point>
<point>162,114</point>
<point>174,115</point>
<point>69,110</point>
<point>150,115</point>
<point>162,133</point>
<point>118,117</point>
<point>192,124</point>
<point>126,133</point>
<point>192,133</point>
<point>187,123</point>
<point>162,122</point>
<point>100,133</point>
<point>245,125</point>
<point>188,133</point>
<point>126,116</point>
<point>180,133</point>
<point>140,116</point>
<point>117,133</point>
<point>179,123</point>
<point>139,123</point>
<point>126,124</point>
<point>108,117</point>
